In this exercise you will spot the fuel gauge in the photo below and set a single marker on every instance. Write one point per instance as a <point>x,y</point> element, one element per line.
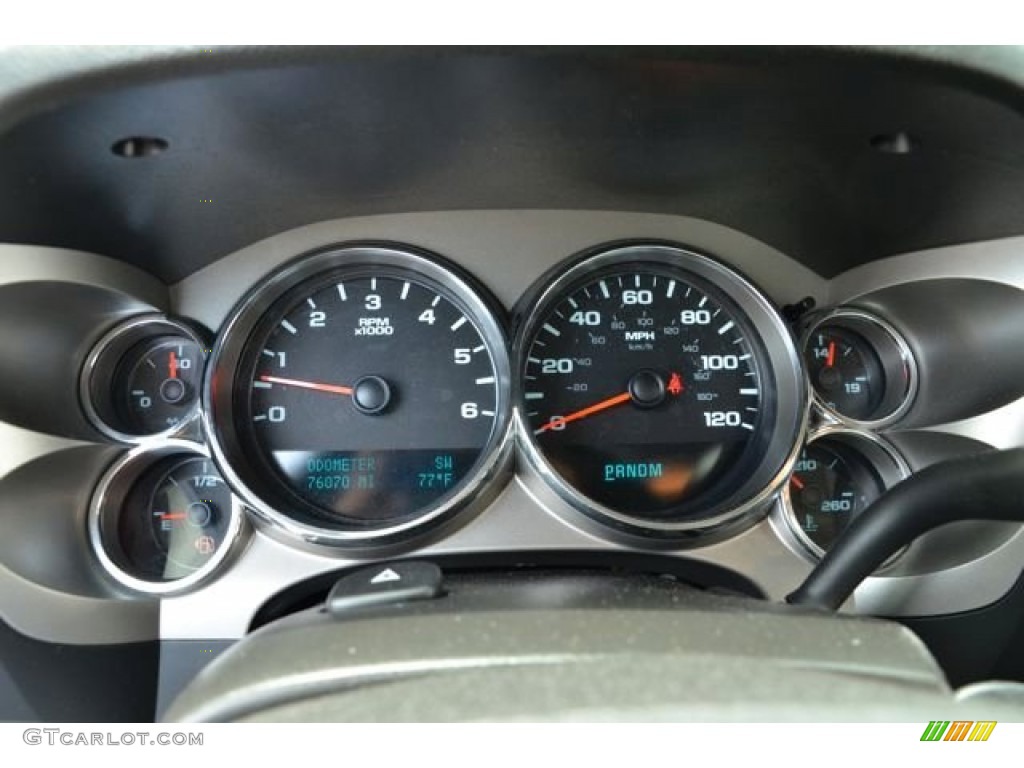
<point>163,519</point>
<point>189,512</point>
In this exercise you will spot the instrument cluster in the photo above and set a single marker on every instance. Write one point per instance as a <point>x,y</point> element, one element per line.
<point>367,398</point>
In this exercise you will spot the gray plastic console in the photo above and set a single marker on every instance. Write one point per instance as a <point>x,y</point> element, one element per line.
<point>574,646</point>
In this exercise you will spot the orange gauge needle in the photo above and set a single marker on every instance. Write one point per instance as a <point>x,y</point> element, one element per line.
<point>172,365</point>
<point>590,410</point>
<point>173,516</point>
<point>332,388</point>
<point>797,482</point>
<point>831,359</point>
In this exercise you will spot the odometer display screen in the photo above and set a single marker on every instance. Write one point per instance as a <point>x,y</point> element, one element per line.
<point>644,390</point>
<point>343,480</point>
<point>371,395</point>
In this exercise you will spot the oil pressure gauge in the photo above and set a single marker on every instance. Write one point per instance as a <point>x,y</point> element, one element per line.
<point>143,379</point>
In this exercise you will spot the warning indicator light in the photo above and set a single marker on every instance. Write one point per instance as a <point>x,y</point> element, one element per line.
<point>675,385</point>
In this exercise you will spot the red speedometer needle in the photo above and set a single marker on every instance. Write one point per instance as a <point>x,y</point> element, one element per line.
<point>797,482</point>
<point>332,388</point>
<point>590,410</point>
<point>831,359</point>
<point>173,516</point>
<point>172,365</point>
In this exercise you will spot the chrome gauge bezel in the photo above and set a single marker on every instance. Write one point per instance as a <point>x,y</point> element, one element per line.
<point>219,414</point>
<point>887,462</point>
<point>783,362</point>
<point>104,358</point>
<point>106,507</point>
<point>892,350</point>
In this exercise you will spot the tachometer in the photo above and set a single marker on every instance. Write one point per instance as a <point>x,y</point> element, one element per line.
<point>658,390</point>
<point>369,396</point>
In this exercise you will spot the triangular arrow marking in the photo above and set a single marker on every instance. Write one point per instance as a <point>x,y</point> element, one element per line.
<point>386,575</point>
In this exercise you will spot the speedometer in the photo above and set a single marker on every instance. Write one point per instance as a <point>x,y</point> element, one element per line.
<point>360,394</point>
<point>658,391</point>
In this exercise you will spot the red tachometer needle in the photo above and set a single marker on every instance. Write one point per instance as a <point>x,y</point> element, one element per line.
<point>172,365</point>
<point>173,516</point>
<point>797,482</point>
<point>590,410</point>
<point>831,359</point>
<point>332,388</point>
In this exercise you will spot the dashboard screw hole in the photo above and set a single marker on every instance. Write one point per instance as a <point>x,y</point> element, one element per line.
<point>135,147</point>
<point>898,143</point>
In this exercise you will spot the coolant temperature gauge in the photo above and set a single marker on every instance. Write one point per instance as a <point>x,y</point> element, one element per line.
<point>828,488</point>
<point>838,475</point>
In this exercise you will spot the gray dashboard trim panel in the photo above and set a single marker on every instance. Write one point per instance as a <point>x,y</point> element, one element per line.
<point>37,263</point>
<point>505,249</point>
<point>58,617</point>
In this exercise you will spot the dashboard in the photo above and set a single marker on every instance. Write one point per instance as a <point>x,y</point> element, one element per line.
<point>525,506</point>
<point>581,351</point>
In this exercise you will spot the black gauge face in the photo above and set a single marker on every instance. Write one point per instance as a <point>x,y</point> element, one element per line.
<point>846,372</point>
<point>644,389</point>
<point>831,484</point>
<point>368,396</point>
<point>174,520</point>
<point>143,379</point>
<point>157,384</point>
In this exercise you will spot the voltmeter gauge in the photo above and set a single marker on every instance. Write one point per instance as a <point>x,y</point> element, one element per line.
<point>862,370</point>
